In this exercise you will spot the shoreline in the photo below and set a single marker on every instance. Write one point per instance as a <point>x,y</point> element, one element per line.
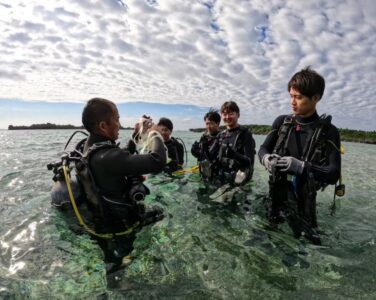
<point>347,135</point>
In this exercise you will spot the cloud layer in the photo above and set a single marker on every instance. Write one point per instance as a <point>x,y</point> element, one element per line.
<point>192,52</point>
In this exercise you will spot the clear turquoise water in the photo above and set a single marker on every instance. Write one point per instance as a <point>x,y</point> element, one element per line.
<point>201,250</point>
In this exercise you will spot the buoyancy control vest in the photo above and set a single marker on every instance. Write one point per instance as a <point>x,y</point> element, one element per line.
<point>226,167</point>
<point>68,194</point>
<point>175,150</point>
<point>203,157</point>
<point>127,207</point>
<point>317,146</point>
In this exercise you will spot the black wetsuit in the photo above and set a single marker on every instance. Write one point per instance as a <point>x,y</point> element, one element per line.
<point>200,150</point>
<point>291,193</point>
<point>114,170</point>
<point>233,150</point>
<point>175,154</point>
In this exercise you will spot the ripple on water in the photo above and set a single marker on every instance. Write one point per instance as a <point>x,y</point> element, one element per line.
<point>200,250</point>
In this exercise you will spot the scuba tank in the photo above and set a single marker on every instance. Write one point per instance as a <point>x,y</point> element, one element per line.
<point>59,192</point>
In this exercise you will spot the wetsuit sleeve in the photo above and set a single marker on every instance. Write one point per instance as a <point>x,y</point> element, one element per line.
<point>121,162</point>
<point>131,147</point>
<point>246,160</point>
<point>330,172</point>
<point>271,139</point>
<point>197,148</point>
<point>172,151</point>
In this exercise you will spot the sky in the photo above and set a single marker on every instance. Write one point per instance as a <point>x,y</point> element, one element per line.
<point>178,58</point>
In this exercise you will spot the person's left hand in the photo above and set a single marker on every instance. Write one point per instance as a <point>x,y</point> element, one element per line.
<point>290,165</point>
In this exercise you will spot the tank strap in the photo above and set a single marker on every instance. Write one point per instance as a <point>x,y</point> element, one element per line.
<point>283,134</point>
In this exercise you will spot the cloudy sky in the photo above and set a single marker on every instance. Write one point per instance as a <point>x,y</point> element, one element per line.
<point>181,57</point>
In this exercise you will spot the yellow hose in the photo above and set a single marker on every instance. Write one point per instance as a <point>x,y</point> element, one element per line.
<point>194,169</point>
<point>81,220</point>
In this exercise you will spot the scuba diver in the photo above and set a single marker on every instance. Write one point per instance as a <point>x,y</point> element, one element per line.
<point>302,155</point>
<point>200,149</point>
<point>111,179</point>
<point>175,147</point>
<point>233,152</point>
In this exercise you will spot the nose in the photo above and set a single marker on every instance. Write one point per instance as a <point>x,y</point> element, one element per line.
<point>293,100</point>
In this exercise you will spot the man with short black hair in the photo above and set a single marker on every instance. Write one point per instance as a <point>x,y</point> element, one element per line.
<point>114,184</point>
<point>200,149</point>
<point>175,149</point>
<point>302,155</point>
<point>233,152</point>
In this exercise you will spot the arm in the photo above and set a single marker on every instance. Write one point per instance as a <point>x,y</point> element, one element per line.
<point>180,152</point>
<point>195,150</point>
<point>271,139</point>
<point>246,160</point>
<point>330,173</point>
<point>198,147</point>
<point>121,162</point>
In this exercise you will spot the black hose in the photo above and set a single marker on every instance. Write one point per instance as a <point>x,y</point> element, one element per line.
<point>74,133</point>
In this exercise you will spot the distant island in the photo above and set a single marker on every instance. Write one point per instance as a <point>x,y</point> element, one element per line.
<point>347,135</point>
<point>51,126</point>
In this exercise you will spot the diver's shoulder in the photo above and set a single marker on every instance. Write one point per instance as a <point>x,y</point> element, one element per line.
<point>279,121</point>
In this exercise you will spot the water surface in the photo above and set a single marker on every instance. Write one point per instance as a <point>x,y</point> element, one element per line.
<point>201,250</point>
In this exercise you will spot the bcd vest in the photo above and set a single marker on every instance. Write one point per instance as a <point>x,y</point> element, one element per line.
<point>100,204</point>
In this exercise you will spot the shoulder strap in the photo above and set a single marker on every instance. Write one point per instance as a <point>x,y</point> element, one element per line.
<point>239,137</point>
<point>283,133</point>
<point>319,138</point>
<point>98,146</point>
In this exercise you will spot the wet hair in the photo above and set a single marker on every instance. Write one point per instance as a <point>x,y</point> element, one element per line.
<point>166,122</point>
<point>96,111</point>
<point>308,82</point>
<point>230,106</point>
<point>213,115</point>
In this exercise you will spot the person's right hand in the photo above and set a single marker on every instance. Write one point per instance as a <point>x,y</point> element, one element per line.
<point>270,160</point>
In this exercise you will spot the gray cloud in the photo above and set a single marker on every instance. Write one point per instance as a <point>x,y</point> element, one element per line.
<point>192,52</point>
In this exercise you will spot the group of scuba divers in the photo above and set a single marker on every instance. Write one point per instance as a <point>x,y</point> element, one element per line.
<point>301,154</point>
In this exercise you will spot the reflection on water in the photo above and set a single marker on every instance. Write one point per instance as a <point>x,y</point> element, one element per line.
<point>202,249</point>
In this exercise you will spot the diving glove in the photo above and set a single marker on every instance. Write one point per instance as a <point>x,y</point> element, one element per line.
<point>290,165</point>
<point>270,160</point>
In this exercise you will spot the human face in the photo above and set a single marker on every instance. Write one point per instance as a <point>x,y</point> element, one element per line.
<point>230,119</point>
<point>211,126</point>
<point>302,105</point>
<point>110,128</point>
<point>165,132</point>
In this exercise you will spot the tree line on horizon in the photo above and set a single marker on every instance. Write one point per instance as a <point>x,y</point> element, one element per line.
<point>347,135</point>
<point>50,126</point>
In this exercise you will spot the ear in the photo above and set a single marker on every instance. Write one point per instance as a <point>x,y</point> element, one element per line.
<point>316,98</point>
<point>102,126</point>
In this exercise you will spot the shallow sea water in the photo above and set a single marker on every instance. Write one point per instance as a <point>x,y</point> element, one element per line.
<point>200,250</point>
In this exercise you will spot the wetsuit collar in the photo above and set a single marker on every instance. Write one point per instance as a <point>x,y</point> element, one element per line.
<point>96,138</point>
<point>307,120</point>
<point>233,129</point>
<point>212,135</point>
